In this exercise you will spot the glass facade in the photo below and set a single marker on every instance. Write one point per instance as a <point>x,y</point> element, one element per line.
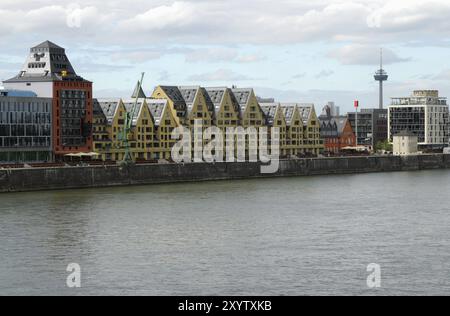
<point>74,131</point>
<point>410,119</point>
<point>25,129</point>
<point>372,126</point>
<point>425,114</point>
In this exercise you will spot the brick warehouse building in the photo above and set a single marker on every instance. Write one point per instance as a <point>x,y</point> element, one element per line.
<point>336,131</point>
<point>49,74</point>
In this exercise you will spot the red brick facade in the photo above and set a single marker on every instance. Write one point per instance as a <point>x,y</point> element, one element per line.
<point>346,138</point>
<point>60,90</point>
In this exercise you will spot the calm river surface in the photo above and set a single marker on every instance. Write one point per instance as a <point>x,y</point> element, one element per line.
<point>289,236</point>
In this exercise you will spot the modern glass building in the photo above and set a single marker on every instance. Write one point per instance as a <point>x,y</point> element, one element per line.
<point>425,114</point>
<point>25,128</point>
<point>372,126</point>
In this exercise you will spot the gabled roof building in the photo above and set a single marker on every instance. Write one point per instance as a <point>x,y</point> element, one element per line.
<point>337,133</point>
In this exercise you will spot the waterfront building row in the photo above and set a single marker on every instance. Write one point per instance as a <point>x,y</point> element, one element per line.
<point>170,107</point>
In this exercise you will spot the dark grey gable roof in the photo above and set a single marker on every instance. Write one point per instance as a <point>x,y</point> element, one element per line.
<point>109,108</point>
<point>332,126</point>
<point>189,94</point>
<point>141,93</point>
<point>209,103</point>
<point>129,107</point>
<point>216,95</point>
<point>157,107</point>
<point>97,109</point>
<point>270,111</point>
<point>288,111</point>
<point>48,44</point>
<point>305,112</point>
<point>242,97</point>
<point>341,122</point>
<point>175,95</point>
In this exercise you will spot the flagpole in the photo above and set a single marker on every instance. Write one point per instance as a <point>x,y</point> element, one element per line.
<point>356,127</point>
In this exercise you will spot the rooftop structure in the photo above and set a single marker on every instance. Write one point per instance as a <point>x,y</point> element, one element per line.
<point>46,62</point>
<point>421,97</point>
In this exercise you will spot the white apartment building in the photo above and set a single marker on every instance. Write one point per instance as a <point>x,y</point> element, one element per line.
<point>425,114</point>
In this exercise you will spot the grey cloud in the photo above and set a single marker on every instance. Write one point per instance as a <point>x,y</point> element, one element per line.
<point>299,76</point>
<point>219,54</point>
<point>99,68</point>
<point>213,54</point>
<point>164,76</point>
<point>324,74</point>
<point>222,75</point>
<point>251,22</point>
<point>357,54</point>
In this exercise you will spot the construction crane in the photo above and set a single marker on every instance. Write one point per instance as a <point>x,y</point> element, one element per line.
<point>128,124</point>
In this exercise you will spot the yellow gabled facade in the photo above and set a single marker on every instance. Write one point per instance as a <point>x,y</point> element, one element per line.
<point>101,136</point>
<point>228,113</point>
<point>198,106</point>
<point>115,113</point>
<point>165,122</point>
<point>252,114</point>
<point>275,118</point>
<point>295,130</point>
<point>313,143</point>
<point>175,100</point>
<point>143,138</point>
<point>280,122</point>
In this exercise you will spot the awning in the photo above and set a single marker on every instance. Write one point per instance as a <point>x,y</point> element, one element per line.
<point>358,148</point>
<point>81,155</point>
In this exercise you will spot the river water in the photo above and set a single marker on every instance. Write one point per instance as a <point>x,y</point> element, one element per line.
<point>287,236</point>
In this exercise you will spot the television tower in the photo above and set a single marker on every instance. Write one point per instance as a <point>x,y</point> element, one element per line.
<point>381,76</point>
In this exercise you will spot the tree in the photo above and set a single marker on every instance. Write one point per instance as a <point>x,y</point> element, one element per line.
<point>384,145</point>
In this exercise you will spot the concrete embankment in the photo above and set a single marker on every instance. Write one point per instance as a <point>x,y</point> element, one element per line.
<point>33,179</point>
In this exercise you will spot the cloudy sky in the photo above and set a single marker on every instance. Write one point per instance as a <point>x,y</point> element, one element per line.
<point>293,50</point>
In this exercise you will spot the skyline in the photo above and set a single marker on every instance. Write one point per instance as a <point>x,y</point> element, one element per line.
<point>289,50</point>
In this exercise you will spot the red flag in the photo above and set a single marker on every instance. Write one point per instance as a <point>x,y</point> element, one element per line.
<point>356,104</point>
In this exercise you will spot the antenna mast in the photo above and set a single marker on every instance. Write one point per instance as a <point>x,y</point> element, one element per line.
<point>381,76</point>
